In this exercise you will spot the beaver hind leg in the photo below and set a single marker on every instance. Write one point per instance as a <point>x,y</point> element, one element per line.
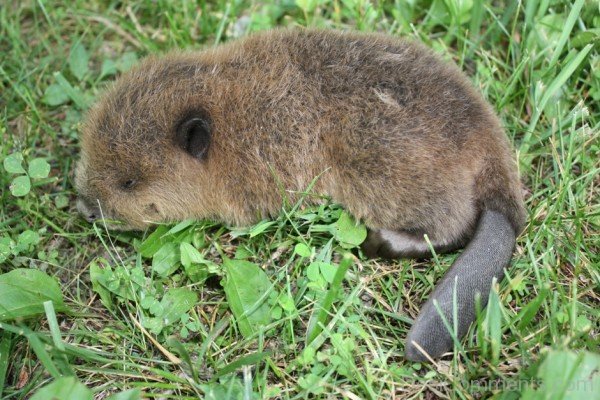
<point>390,244</point>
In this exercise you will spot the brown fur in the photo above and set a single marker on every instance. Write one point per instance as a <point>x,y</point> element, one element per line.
<point>397,136</point>
<point>402,139</point>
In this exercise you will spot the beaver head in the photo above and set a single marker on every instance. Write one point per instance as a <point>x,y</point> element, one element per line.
<point>145,146</point>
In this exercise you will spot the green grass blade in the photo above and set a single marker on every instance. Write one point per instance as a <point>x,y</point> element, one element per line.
<point>550,91</point>
<point>566,32</point>
<point>5,345</point>
<point>320,314</point>
<point>251,359</point>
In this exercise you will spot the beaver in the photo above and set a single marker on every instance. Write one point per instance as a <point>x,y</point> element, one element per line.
<point>394,134</point>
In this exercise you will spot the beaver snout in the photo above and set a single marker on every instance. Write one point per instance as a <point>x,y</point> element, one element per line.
<point>89,210</point>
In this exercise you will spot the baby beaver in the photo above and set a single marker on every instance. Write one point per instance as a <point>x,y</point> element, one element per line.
<point>399,138</point>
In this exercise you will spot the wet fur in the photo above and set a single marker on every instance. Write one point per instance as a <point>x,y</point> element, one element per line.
<point>401,139</point>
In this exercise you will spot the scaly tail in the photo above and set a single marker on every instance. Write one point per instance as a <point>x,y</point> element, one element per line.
<point>484,259</point>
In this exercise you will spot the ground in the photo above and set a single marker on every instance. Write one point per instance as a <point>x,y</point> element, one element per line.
<point>171,312</point>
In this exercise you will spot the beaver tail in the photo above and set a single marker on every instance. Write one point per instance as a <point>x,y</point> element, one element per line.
<point>472,274</point>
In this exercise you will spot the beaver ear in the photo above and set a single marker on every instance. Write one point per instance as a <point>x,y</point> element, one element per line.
<point>193,137</point>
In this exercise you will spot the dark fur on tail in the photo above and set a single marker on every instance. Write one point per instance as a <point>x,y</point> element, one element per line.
<point>484,259</point>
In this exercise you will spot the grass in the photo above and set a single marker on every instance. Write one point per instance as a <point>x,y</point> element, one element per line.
<point>147,311</point>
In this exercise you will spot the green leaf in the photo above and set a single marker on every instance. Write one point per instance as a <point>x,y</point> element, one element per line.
<point>348,232</point>
<point>24,291</point>
<point>154,325</point>
<point>181,226</point>
<point>320,314</point>
<point>127,61</point>
<point>198,273</point>
<point>328,271</point>
<point>260,228</point>
<point>109,67</point>
<point>177,302</point>
<point>287,302</point>
<point>74,93</point>
<point>38,168</point>
<point>28,238</point>
<point>312,383</point>
<point>196,267</point>
<point>566,375</point>
<point>154,241</point>
<point>122,281</point>
<point>308,6</point>
<point>97,269</point>
<point>66,388</point>
<point>313,271</point>
<point>55,95</point>
<point>302,250</point>
<point>78,61</point>
<point>131,394</point>
<point>189,255</point>
<point>246,288</point>
<point>20,186</point>
<point>6,245</point>
<point>242,253</point>
<point>61,201</point>
<point>13,163</point>
<point>230,388</point>
<point>582,324</point>
<point>582,38</point>
<point>166,260</point>
<point>186,223</point>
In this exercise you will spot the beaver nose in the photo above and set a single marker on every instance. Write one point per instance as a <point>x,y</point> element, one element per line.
<point>89,210</point>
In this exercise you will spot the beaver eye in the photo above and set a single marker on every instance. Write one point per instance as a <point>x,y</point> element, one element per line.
<point>129,184</point>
